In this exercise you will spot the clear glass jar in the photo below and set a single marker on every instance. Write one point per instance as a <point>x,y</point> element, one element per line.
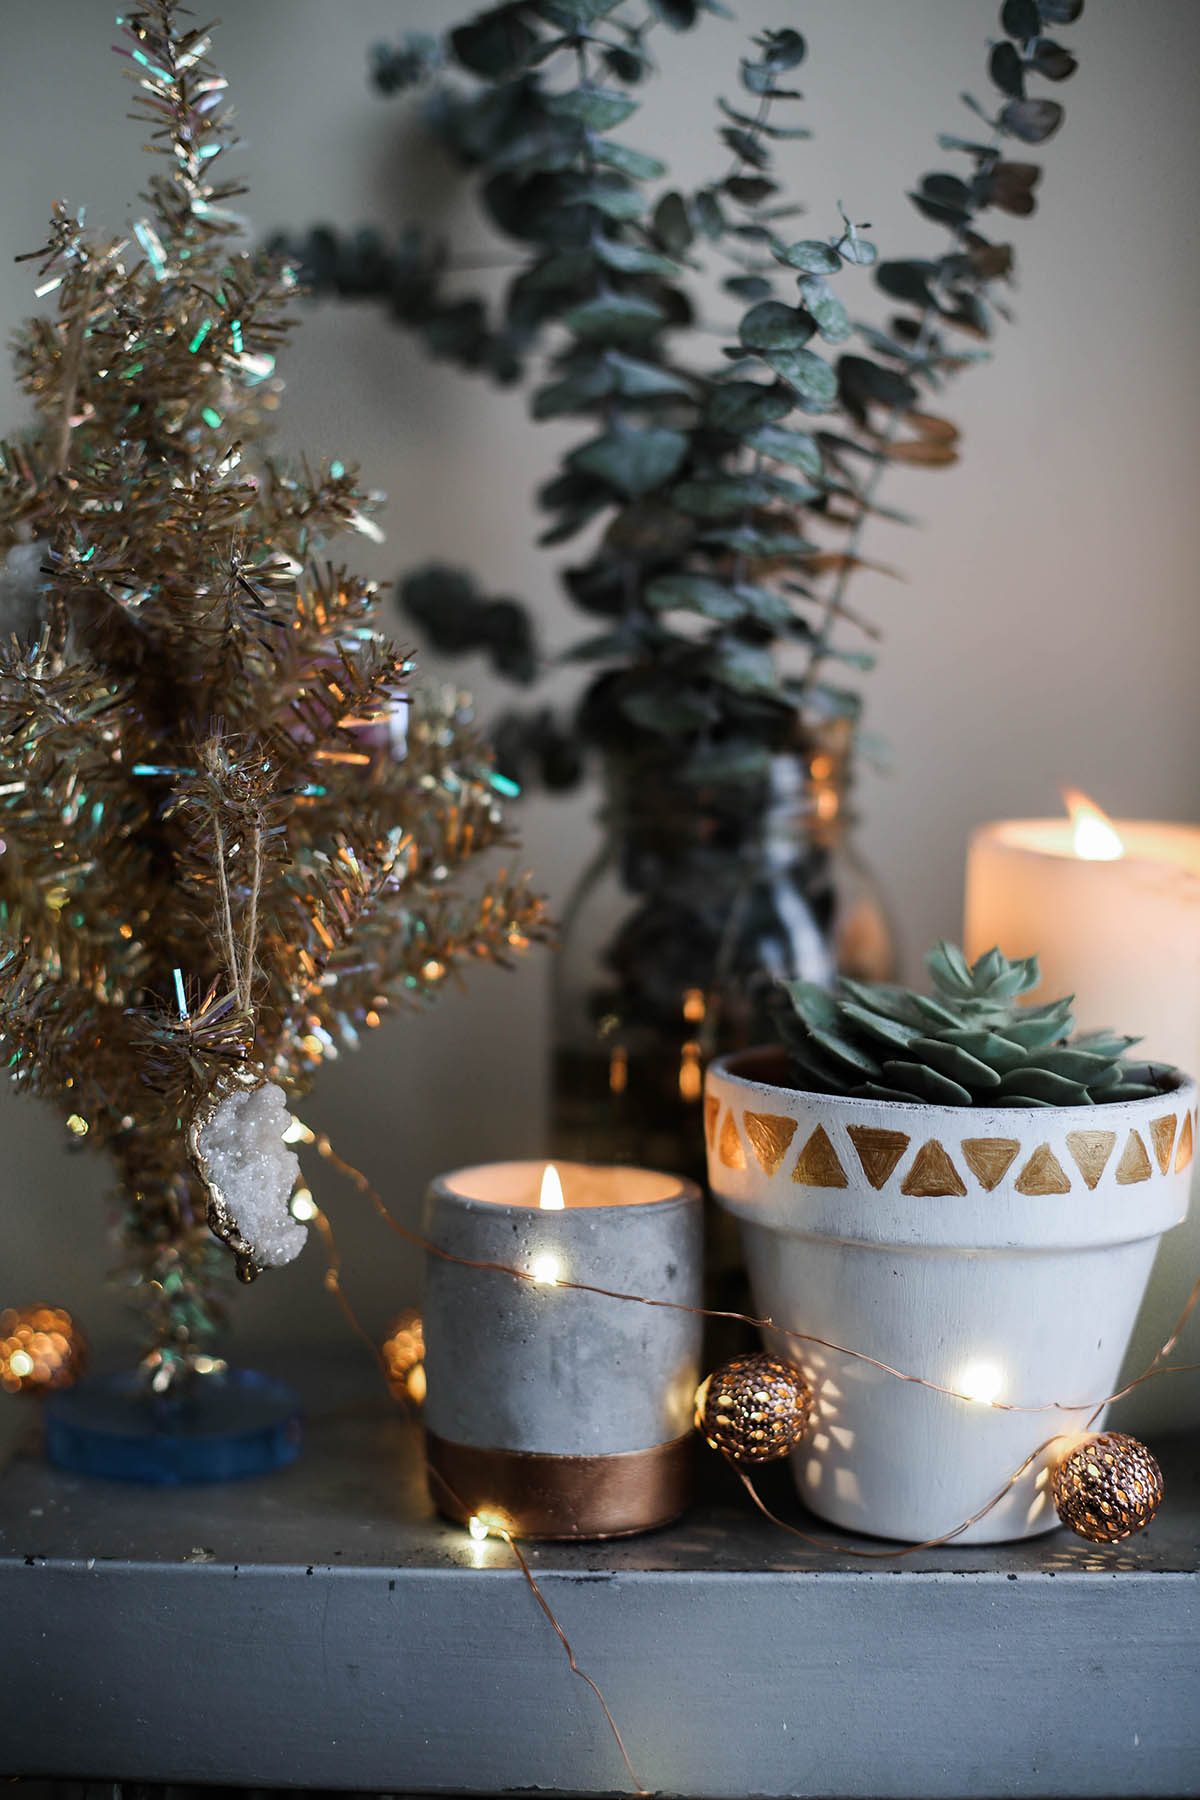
<point>675,936</point>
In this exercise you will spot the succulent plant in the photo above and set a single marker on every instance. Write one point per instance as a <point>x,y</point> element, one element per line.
<point>970,1043</point>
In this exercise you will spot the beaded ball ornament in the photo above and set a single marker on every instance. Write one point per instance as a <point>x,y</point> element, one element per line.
<point>754,1409</point>
<point>1107,1487</point>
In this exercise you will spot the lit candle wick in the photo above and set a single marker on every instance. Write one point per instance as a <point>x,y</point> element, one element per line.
<point>1094,837</point>
<point>551,1197</point>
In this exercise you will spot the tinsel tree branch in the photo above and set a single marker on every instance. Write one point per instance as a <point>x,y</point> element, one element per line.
<point>235,833</point>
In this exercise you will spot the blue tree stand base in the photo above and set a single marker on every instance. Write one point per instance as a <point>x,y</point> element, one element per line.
<point>227,1427</point>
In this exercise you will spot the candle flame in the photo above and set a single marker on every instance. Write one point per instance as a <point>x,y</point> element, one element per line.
<point>551,1197</point>
<point>1094,837</point>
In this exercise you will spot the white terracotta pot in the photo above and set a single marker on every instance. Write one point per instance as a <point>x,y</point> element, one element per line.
<point>997,1251</point>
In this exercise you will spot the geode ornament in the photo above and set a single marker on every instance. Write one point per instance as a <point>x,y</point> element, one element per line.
<point>249,1173</point>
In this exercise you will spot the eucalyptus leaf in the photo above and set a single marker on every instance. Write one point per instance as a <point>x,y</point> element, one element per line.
<point>750,190</point>
<point>1033,121</point>
<point>694,593</point>
<point>638,380</point>
<point>596,107</point>
<point>746,668</point>
<point>854,249</point>
<point>613,197</point>
<point>634,163</point>
<point>668,714</point>
<point>742,406</point>
<point>495,44</point>
<point>810,255</point>
<point>747,287</point>
<point>1021,19</point>
<point>632,460</point>
<point>613,317</point>
<point>823,306</point>
<point>633,259</point>
<point>720,497</point>
<point>772,326</point>
<point>680,15</point>
<point>573,15</point>
<point>745,144</point>
<point>1007,70</point>
<point>808,373</point>
<point>794,447</point>
<point>672,223</point>
<point>1052,60</point>
<point>754,542</point>
<point>783,49</point>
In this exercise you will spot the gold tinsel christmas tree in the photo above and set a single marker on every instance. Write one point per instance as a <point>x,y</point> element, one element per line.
<point>232,835</point>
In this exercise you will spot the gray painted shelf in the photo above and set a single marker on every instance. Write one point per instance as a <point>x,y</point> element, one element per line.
<point>322,1628</point>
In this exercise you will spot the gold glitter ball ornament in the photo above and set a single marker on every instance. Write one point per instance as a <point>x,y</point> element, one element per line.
<point>41,1347</point>
<point>754,1409</point>
<point>1107,1487</point>
<point>403,1351</point>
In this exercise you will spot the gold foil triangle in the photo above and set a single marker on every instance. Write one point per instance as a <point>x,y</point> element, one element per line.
<point>770,1136</point>
<point>712,1112</point>
<point>1134,1165</point>
<point>1043,1174</point>
<point>990,1159</point>
<point>1162,1136</point>
<point>1183,1155</point>
<point>818,1165</point>
<point>1091,1150</point>
<point>932,1173</point>
<point>731,1152</point>
<point>879,1150</point>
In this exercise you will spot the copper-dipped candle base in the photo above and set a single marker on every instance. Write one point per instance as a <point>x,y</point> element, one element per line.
<point>533,1495</point>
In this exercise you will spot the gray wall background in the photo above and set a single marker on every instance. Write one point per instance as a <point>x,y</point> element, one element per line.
<point>1046,630</point>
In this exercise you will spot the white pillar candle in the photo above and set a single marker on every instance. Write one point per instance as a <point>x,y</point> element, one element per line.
<point>558,1411</point>
<point>1115,921</point>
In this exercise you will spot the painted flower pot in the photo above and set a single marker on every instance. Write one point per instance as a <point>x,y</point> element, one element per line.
<point>1002,1253</point>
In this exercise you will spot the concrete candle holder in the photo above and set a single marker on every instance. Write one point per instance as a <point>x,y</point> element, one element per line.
<point>553,1412</point>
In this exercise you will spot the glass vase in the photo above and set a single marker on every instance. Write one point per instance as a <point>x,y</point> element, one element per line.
<point>696,904</point>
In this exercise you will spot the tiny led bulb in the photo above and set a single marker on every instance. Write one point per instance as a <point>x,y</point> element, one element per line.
<point>546,1270</point>
<point>477,1528</point>
<point>982,1381</point>
<point>551,1197</point>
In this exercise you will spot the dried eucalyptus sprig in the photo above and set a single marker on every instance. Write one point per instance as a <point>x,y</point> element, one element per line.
<point>970,1043</point>
<point>732,528</point>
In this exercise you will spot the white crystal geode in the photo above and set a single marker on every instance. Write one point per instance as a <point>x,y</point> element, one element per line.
<point>23,591</point>
<point>248,1165</point>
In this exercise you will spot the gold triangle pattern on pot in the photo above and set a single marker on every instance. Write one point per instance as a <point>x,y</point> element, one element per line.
<point>932,1174</point>
<point>770,1137</point>
<point>1135,1163</point>
<point>712,1112</point>
<point>990,1159</point>
<point>1091,1150</point>
<point>1043,1174</point>
<point>879,1150</point>
<point>730,1151</point>
<point>818,1164</point>
<point>1183,1155</point>
<point>1162,1136</point>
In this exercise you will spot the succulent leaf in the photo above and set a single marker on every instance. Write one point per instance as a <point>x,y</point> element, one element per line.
<point>969,1043</point>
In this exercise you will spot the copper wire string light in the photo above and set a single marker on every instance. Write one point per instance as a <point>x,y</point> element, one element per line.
<point>797,1407</point>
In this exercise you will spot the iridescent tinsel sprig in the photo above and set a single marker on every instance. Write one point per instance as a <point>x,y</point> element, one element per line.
<point>235,834</point>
